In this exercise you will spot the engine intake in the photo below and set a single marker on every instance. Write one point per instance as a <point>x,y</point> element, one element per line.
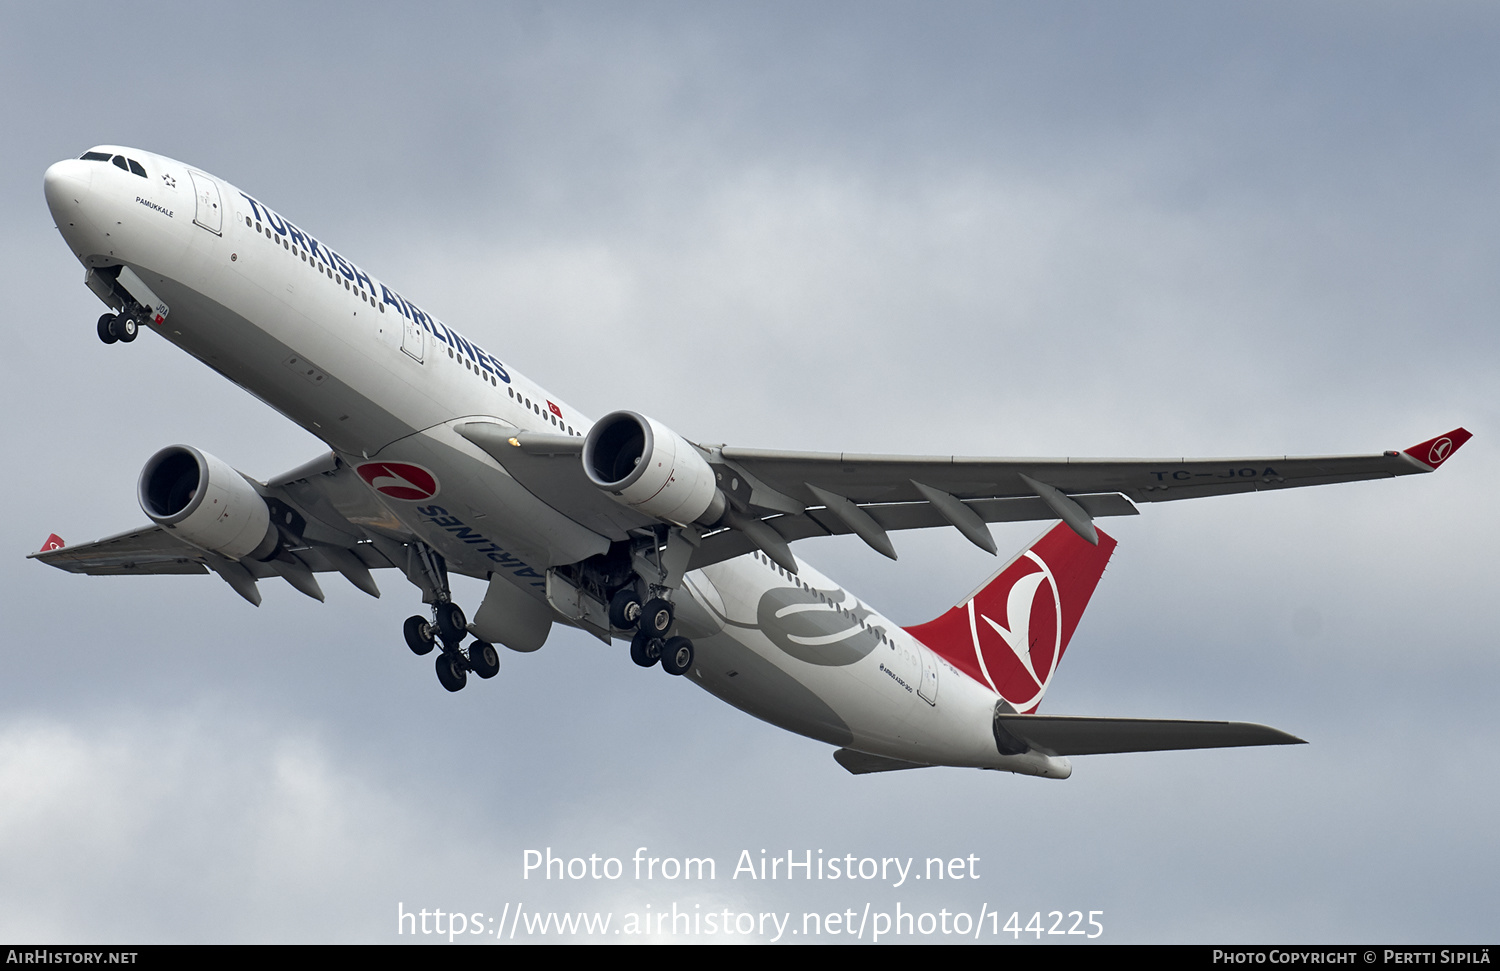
<point>643,464</point>
<point>206,503</point>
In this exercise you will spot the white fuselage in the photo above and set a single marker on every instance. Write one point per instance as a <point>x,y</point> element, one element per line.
<point>355,363</point>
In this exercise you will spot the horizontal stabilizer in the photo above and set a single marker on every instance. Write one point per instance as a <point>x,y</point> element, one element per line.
<point>1072,735</point>
<point>861,763</point>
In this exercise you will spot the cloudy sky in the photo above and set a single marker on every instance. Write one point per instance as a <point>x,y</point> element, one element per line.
<point>1006,229</point>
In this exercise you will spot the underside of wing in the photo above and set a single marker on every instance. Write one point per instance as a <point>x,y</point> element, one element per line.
<point>1074,735</point>
<point>787,496</point>
<point>317,515</point>
<point>760,499</point>
<point>146,550</point>
<point>896,478</point>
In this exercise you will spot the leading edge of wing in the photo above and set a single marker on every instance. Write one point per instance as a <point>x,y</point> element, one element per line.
<point>1081,735</point>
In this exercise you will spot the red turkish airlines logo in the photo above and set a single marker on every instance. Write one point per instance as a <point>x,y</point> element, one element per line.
<point>554,409</point>
<point>399,480</point>
<point>1019,657</point>
<point>1439,451</point>
<point>54,542</point>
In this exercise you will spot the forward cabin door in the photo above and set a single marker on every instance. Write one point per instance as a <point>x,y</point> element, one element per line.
<point>210,213</point>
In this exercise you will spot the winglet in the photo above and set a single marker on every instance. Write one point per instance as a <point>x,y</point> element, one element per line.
<point>54,542</point>
<point>1436,451</point>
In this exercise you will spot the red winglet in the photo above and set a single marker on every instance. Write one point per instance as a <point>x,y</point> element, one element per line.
<point>54,542</point>
<point>1436,451</point>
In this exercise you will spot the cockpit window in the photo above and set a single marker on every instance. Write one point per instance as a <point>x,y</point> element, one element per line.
<point>127,164</point>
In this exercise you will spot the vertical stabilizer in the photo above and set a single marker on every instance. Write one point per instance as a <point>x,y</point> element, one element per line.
<point>1011,634</point>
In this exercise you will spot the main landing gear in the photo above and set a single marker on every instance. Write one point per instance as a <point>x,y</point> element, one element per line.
<point>448,628</point>
<point>123,327</point>
<point>652,622</point>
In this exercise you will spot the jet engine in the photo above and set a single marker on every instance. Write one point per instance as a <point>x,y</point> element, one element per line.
<point>643,464</point>
<point>206,503</point>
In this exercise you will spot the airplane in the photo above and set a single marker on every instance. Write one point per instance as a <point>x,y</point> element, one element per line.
<point>444,459</point>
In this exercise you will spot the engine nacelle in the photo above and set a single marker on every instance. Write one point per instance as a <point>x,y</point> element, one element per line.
<point>645,465</point>
<point>206,503</point>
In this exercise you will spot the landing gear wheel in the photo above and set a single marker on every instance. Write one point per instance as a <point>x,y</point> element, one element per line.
<point>418,635</point>
<point>125,327</point>
<point>677,655</point>
<point>625,610</point>
<point>656,616</point>
<point>106,331</point>
<point>452,625</point>
<point>484,660</point>
<point>645,648</point>
<point>451,671</point>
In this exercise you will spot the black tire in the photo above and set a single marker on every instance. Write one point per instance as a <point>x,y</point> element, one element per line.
<point>625,610</point>
<point>677,656</point>
<point>106,332</point>
<point>484,660</point>
<point>657,616</point>
<point>645,649</point>
<point>452,625</point>
<point>126,328</point>
<point>452,672</point>
<point>418,635</point>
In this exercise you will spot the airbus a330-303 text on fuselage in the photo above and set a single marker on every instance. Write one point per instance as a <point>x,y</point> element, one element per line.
<point>443,459</point>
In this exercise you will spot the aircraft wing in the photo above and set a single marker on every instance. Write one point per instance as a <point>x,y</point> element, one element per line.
<point>824,493</point>
<point>148,549</point>
<point>312,506</point>
<point>777,497</point>
<point>895,478</point>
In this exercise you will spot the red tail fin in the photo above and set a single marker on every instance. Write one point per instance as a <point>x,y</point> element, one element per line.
<point>1011,634</point>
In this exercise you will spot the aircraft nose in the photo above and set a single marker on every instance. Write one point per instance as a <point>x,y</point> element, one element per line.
<point>65,184</point>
